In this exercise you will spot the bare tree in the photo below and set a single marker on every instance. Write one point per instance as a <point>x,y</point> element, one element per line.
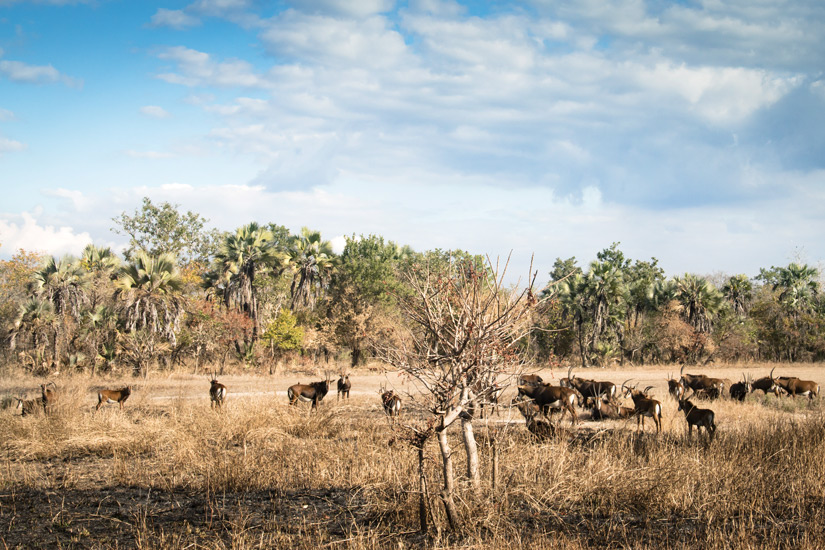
<point>460,339</point>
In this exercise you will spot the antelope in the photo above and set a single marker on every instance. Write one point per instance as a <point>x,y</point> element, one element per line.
<point>313,392</point>
<point>711,387</point>
<point>698,417</point>
<point>675,387</point>
<point>113,396</point>
<point>486,397</point>
<point>217,393</point>
<point>530,380</point>
<point>48,396</point>
<point>644,406</point>
<point>390,401</point>
<point>794,386</point>
<point>343,386</point>
<point>28,406</point>
<point>588,388</point>
<point>601,409</point>
<point>766,384</point>
<point>538,428</point>
<point>740,390</point>
<point>552,398</point>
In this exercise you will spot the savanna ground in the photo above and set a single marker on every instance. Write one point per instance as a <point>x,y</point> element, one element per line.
<point>168,472</point>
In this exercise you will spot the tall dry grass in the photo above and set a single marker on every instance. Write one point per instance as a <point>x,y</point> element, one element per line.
<point>173,473</point>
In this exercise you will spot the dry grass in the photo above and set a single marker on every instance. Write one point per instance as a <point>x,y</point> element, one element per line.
<point>168,472</point>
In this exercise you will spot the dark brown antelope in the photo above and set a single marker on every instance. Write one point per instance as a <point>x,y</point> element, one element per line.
<point>740,390</point>
<point>552,398</point>
<point>217,393</point>
<point>48,396</point>
<point>113,396</point>
<point>344,386</point>
<point>588,388</point>
<point>701,418</point>
<point>540,429</point>
<point>391,402</point>
<point>793,386</point>
<point>767,384</point>
<point>644,406</point>
<point>530,380</point>
<point>313,392</point>
<point>702,384</point>
<point>675,387</point>
<point>607,409</point>
<point>29,406</point>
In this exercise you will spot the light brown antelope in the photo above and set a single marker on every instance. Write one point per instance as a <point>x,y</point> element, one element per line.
<point>552,398</point>
<point>740,390</point>
<point>588,388</point>
<point>113,396</point>
<point>391,402</point>
<point>29,406</point>
<point>644,406</point>
<point>793,386</point>
<point>767,384</point>
<point>217,393</point>
<point>313,392</point>
<point>701,418</point>
<point>48,396</point>
<point>702,384</point>
<point>344,386</point>
<point>675,387</point>
<point>607,409</point>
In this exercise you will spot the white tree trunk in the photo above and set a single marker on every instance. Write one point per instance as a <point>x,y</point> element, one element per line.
<point>471,448</point>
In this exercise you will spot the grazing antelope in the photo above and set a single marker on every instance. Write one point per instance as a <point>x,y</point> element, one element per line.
<point>552,398</point>
<point>740,390</point>
<point>48,396</point>
<point>313,392</point>
<point>644,406</point>
<point>701,418</point>
<point>217,393</point>
<point>588,388</point>
<point>391,402</point>
<point>530,380</point>
<point>767,384</point>
<point>344,386</point>
<point>702,384</point>
<point>675,387</point>
<point>793,386</point>
<point>540,429</point>
<point>28,406</point>
<point>113,396</point>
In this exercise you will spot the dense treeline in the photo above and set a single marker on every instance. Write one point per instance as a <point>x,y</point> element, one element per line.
<point>257,296</point>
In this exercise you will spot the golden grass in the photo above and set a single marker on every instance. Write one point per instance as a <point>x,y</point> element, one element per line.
<point>171,473</point>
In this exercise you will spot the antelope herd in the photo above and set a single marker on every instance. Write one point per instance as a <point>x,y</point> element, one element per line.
<point>534,398</point>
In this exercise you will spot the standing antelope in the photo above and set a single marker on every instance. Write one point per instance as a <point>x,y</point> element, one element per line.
<point>588,388</point>
<point>607,409</point>
<point>217,393</point>
<point>711,387</point>
<point>794,386</point>
<point>313,392</point>
<point>529,380</point>
<point>767,384</point>
<point>644,406</point>
<point>344,386</point>
<point>740,390</point>
<point>540,429</point>
<point>48,396</point>
<point>113,396</point>
<point>552,398</point>
<point>698,417</point>
<point>391,402</point>
<point>675,387</point>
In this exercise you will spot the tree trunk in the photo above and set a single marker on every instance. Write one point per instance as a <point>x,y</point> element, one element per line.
<point>471,448</point>
<point>422,496</point>
<point>449,482</point>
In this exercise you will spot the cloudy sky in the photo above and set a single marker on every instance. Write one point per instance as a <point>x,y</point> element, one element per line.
<point>690,131</point>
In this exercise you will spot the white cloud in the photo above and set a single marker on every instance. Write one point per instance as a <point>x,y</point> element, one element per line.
<point>10,145</point>
<point>361,8</point>
<point>5,114</point>
<point>199,69</point>
<point>18,71</point>
<point>155,111</point>
<point>177,19</point>
<point>26,232</point>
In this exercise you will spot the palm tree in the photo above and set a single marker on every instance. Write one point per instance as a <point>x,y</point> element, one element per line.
<point>242,256</point>
<point>738,291</point>
<point>36,324</point>
<point>312,262</point>
<point>699,300</point>
<point>799,286</point>
<point>101,264</point>
<point>573,295</point>
<point>605,285</point>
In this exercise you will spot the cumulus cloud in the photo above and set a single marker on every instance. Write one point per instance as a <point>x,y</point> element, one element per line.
<point>17,71</point>
<point>177,19</point>
<point>10,145</point>
<point>27,232</point>
<point>154,111</point>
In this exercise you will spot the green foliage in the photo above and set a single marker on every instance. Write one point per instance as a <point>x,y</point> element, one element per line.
<point>283,334</point>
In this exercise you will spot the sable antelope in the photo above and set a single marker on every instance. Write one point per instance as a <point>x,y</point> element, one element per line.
<point>313,392</point>
<point>740,390</point>
<point>702,384</point>
<point>113,396</point>
<point>217,393</point>
<point>794,386</point>
<point>552,398</point>
<point>486,398</point>
<point>28,406</point>
<point>48,396</point>
<point>540,429</point>
<point>644,406</point>
<point>607,409</point>
<point>343,386</point>
<point>675,387</point>
<point>698,417</point>
<point>390,401</point>
<point>767,384</point>
<point>588,388</point>
<point>530,380</point>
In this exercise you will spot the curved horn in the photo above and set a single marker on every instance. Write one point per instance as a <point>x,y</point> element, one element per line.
<point>645,390</point>
<point>625,382</point>
<point>771,374</point>
<point>569,370</point>
<point>682,371</point>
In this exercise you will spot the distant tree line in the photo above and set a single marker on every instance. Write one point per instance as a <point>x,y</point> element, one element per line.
<point>184,295</point>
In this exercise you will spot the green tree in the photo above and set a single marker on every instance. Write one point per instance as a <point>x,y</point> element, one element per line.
<point>283,335</point>
<point>738,290</point>
<point>700,301</point>
<point>312,261</point>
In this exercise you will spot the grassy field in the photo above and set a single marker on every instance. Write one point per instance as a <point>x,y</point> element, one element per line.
<point>168,472</point>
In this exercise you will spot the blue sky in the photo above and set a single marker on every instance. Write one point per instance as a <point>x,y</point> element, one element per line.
<point>690,131</point>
